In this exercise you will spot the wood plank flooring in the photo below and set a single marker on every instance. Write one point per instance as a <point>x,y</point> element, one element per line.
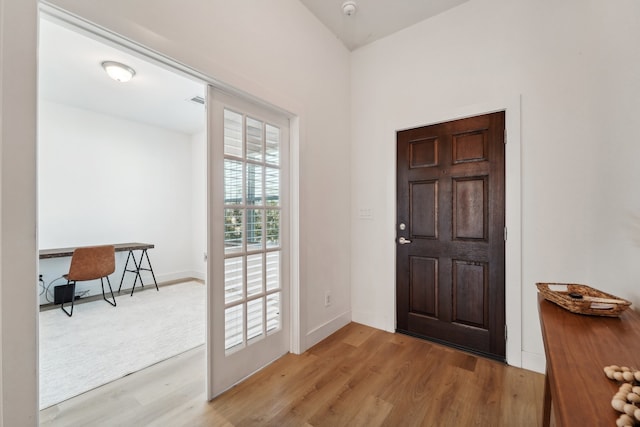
<point>358,376</point>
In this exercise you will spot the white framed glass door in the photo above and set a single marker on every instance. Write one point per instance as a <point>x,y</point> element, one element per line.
<point>248,326</point>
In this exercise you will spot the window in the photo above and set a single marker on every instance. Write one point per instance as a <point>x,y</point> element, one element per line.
<point>252,224</point>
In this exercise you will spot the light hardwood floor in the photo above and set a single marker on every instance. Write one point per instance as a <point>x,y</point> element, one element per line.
<point>359,376</point>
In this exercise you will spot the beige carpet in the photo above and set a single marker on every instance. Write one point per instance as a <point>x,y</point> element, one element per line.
<point>101,343</point>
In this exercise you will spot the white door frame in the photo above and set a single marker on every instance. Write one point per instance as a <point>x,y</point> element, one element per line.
<point>513,208</point>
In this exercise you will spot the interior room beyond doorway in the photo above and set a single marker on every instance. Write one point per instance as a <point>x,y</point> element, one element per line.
<point>118,162</point>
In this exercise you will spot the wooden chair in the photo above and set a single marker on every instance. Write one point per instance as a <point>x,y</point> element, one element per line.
<point>91,263</point>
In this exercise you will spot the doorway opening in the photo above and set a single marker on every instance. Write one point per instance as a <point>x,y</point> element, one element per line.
<point>118,162</point>
<point>264,206</point>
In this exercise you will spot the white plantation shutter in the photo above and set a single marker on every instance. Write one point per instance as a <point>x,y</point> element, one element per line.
<point>252,200</point>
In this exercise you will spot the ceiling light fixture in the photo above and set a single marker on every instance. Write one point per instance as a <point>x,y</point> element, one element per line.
<point>349,8</point>
<point>118,72</point>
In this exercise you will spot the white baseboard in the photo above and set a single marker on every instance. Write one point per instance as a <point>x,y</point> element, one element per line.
<point>323,331</point>
<point>181,275</point>
<point>171,277</point>
<point>200,275</point>
<point>374,320</point>
<point>88,290</point>
<point>162,278</point>
<point>534,362</point>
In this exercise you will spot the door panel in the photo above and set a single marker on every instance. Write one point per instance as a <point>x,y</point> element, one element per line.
<point>469,293</point>
<point>450,262</point>
<point>424,203</point>
<point>248,266</point>
<point>470,208</point>
<point>424,285</point>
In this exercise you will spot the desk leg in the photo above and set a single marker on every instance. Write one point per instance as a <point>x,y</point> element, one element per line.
<point>135,270</point>
<point>546,406</point>
<point>145,253</point>
<point>138,266</point>
<point>126,264</point>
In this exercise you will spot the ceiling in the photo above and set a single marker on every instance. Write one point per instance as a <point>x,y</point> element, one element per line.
<point>73,76</point>
<point>160,96</point>
<point>375,19</point>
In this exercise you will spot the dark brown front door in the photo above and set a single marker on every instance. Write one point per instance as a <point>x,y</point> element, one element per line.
<point>450,228</point>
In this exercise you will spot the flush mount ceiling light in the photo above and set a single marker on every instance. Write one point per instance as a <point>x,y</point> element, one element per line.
<point>349,8</point>
<point>119,72</point>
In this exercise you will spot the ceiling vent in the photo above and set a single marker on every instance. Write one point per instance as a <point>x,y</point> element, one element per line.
<point>197,100</point>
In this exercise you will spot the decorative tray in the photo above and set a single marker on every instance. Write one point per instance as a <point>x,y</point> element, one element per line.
<point>583,299</point>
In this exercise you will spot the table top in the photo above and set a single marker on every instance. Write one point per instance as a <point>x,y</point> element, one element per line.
<point>65,252</point>
<point>577,348</point>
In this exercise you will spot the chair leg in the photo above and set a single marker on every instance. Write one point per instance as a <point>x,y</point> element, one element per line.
<point>73,298</point>
<point>110,290</point>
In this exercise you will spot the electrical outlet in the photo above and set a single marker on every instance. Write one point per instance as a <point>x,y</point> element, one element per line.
<point>327,298</point>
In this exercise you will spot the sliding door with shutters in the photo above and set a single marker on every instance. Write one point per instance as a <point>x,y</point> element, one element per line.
<point>248,325</point>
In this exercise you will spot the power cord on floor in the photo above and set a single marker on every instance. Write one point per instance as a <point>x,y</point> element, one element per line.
<point>82,294</point>
<point>47,294</point>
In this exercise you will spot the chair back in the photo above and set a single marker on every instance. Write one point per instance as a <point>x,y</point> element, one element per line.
<point>92,262</point>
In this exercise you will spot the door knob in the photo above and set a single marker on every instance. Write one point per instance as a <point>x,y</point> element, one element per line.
<point>403,241</point>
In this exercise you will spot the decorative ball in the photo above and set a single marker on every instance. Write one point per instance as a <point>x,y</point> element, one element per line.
<point>618,404</point>
<point>624,420</point>
<point>630,409</point>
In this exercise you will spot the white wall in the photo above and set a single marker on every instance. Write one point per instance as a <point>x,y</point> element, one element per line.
<point>103,180</point>
<point>576,66</point>
<point>274,50</point>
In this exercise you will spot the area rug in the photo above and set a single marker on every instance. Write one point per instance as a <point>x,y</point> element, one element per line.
<point>101,343</point>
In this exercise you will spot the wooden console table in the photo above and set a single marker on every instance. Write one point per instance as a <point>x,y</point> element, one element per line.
<point>119,247</point>
<point>577,348</point>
